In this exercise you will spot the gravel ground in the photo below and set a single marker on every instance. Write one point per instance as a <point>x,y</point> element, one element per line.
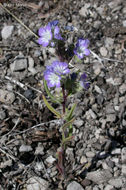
<point>96,158</point>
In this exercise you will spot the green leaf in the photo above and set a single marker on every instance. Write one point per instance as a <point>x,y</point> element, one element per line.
<point>68,123</point>
<point>49,94</point>
<point>67,140</point>
<point>70,130</point>
<point>50,107</point>
<point>77,60</point>
<point>70,115</point>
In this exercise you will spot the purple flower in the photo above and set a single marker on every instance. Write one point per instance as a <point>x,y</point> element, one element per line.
<point>45,34</point>
<point>55,29</point>
<point>57,34</point>
<point>83,82</point>
<point>81,48</point>
<point>53,73</point>
<point>61,68</point>
<point>53,23</point>
<point>52,79</point>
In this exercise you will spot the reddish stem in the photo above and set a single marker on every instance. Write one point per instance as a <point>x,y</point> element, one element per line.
<point>64,99</point>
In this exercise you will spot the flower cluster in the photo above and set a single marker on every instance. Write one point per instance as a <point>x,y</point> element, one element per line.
<point>81,48</point>
<point>53,73</point>
<point>49,34</point>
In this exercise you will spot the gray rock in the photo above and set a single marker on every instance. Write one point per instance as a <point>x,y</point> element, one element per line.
<point>118,182</point>
<point>109,187</point>
<point>90,154</point>
<point>97,133</point>
<point>103,51</point>
<point>7,31</point>
<point>118,81</point>
<point>31,65</point>
<point>111,117</point>
<point>105,166</point>
<point>124,10</point>
<point>78,122</point>
<point>122,88</point>
<point>74,186</point>
<point>124,122</point>
<point>110,109</point>
<point>38,166</point>
<point>97,89</point>
<point>100,99</point>
<point>110,81</point>
<point>110,164</point>
<point>37,53</point>
<point>84,11</point>
<point>92,114</point>
<point>109,43</point>
<point>25,148</point>
<point>108,145</point>
<point>50,159</point>
<point>97,23</point>
<point>2,115</point>
<point>100,9</point>
<point>114,4</point>
<point>99,176</point>
<point>86,182</point>
<point>83,160</point>
<point>39,149</point>
<point>9,86</point>
<point>96,188</point>
<point>69,153</point>
<point>36,183</point>
<point>124,169</point>
<point>6,97</point>
<point>123,155</point>
<point>97,67</point>
<point>115,160</point>
<point>116,151</point>
<point>19,64</point>
<point>5,164</point>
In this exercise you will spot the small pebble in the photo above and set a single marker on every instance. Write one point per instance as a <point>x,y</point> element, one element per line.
<point>103,51</point>
<point>90,154</point>
<point>25,148</point>
<point>123,155</point>
<point>6,97</point>
<point>6,32</point>
<point>50,159</point>
<point>74,186</point>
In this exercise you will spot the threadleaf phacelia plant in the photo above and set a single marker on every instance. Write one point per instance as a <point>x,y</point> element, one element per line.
<point>59,75</point>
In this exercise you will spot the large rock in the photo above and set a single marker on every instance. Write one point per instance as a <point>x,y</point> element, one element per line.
<point>99,176</point>
<point>118,182</point>
<point>36,183</point>
<point>19,64</point>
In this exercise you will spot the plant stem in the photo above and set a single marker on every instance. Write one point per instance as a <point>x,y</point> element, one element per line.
<point>64,99</point>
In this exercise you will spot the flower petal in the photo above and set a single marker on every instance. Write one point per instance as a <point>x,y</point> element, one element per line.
<point>87,52</point>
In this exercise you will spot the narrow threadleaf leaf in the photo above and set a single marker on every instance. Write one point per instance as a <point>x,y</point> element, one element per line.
<point>67,139</point>
<point>50,107</point>
<point>68,123</point>
<point>49,93</point>
<point>70,115</point>
<point>70,130</point>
